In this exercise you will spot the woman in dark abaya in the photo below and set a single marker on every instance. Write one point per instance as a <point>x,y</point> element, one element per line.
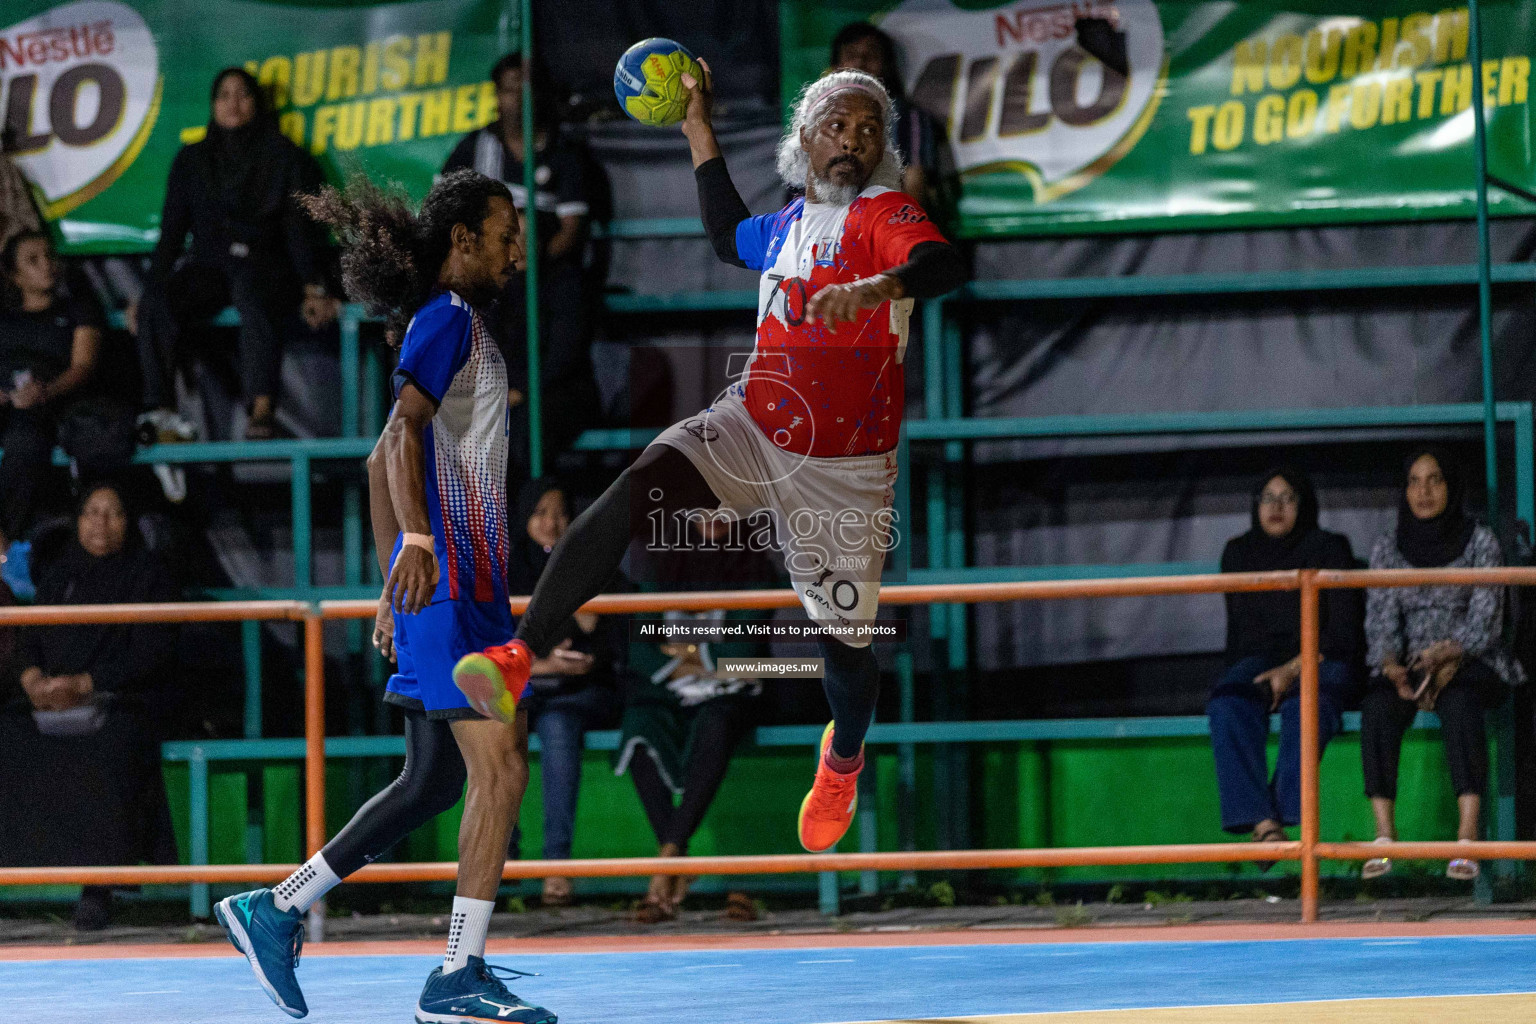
<point>1434,649</point>
<point>252,247</point>
<point>81,761</point>
<point>1264,658</point>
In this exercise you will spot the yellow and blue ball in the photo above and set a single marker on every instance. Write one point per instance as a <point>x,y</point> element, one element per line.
<point>649,81</point>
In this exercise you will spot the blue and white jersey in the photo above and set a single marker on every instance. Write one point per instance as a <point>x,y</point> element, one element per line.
<point>449,356</point>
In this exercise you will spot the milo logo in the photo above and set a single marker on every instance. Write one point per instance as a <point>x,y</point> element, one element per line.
<point>79,91</point>
<point>1018,93</point>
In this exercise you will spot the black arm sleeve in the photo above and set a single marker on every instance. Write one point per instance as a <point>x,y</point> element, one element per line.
<point>721,208</point>
<point>931,270</point>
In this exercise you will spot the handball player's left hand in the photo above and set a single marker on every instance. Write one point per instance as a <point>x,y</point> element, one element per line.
<point>841,303</point>
<point>412,580</point>
<point>384,629</point>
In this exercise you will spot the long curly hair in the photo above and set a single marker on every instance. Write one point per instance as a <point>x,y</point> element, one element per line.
<point>391,256</point>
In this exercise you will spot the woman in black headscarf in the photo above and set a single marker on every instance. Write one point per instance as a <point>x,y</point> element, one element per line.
<point>252,247</point>
<point>81,759</point>
<point>572,690</point>
<point>1264,659</point>
<point>1434,649</point>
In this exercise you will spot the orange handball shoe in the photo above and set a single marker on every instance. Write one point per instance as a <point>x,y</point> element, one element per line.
<point>827,810</point>
<point>494,680</point>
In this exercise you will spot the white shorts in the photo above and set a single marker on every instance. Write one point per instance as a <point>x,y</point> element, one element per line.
<point>833,517</point>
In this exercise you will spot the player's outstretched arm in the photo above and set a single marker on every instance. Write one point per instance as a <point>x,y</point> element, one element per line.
<point>720,205</point>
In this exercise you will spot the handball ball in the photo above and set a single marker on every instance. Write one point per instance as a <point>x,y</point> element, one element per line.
<point>649,81</point>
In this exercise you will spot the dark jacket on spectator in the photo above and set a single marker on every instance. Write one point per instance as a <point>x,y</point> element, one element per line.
<point>1268,623</point>
<point>125,661</point>
<point>98,798</point>
<point>235,188</point>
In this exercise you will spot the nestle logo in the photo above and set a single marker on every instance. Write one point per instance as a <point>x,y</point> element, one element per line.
<point>56,45</point>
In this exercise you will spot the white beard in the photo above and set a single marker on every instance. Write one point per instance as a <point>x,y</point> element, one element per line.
<point>830,194</point>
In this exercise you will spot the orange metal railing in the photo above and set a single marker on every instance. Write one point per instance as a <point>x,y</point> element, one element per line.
<point>1309,850</point>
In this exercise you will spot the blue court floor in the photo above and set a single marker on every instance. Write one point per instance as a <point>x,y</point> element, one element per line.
<point>802,986</point>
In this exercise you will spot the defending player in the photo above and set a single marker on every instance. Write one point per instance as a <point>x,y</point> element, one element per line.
<point>437,491</point>
<point>808,433</point>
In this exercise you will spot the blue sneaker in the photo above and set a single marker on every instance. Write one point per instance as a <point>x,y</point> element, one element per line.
<point>474,993</point>
<point>271,940</point>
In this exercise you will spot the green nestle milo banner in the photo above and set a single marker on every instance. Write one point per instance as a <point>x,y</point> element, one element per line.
<point>1220,115</point>
<point>97,96</point>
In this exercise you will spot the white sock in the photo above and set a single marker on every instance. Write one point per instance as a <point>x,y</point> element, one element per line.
<point>301,889</point>
<point>466,931</point>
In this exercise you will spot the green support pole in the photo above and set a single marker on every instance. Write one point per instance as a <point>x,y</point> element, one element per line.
<point>373,387</point>
<point>530,166</point>
<point>957,794</point>
<point>250,646</point>
<point>906,769</point>
<point>197,811</point>
<point>349,371</point>
<point>352,558</point>
<point>302,527</point>
<point>827,895</point>
<point>1484,262</point>
<point>933,408</point>
<point>1525,468</point>
<point>869,832</point>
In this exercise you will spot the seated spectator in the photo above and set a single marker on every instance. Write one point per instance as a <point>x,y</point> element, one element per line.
<point>49,346</point>
<point>860,46</point>
<point>1264,659</point>
<point>81,759</point>
<point>563,171</point>
<point>252,247</point>
<point>1434,649</point>
<point>572,690</point>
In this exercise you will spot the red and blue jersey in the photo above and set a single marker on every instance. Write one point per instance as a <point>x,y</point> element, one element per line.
<point>815,391</point>
<point>449,356</point>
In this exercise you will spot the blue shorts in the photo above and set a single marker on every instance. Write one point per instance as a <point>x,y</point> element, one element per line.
<point>428,645</point>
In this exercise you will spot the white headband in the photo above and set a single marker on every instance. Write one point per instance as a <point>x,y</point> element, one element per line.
<point>881,100</point>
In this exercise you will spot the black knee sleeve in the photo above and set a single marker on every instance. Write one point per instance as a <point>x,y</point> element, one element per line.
<point>430,783</point>
<point>852,685</point>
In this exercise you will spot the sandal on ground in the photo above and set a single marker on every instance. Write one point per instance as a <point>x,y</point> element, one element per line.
<point>1274,834</point>
<point>1376,866</point>
<point>1462,869</point>
<point>658,904</point>
<point>739,907</point>
<point>654,910</point>
<point>557,892</point>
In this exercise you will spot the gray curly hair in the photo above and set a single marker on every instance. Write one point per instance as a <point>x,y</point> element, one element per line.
<point>794,163</point>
